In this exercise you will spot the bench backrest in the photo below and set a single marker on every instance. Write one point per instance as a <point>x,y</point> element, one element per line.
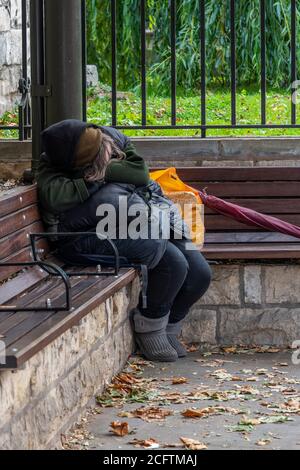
<point>19,216</point>
<point>273,191</point>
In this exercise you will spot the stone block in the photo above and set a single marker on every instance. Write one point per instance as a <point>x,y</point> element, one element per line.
<point>224,288</point>
<point>4,19</point>
<point>252,284</point>
<point>200,326</point>
<point>92,77</point>
<point>282,284</point>
<point>11,50</point>
<point>267,326</point>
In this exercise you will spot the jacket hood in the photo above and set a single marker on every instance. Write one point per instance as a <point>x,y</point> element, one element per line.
<point>59,142</point>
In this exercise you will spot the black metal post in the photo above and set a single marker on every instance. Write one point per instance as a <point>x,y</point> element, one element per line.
<point>173,63</point>
<point>84,59</point>
<point>37,77</point>
<point>293,59</point>
<point>113,62</point>
<point>203,67</point>
<point>63,60</point>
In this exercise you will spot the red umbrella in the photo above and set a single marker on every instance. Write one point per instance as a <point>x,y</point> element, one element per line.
<point>249,216</point>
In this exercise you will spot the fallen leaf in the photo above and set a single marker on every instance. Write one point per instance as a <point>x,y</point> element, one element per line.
<point>179,380</point>
<point>146,443</point>
<point>250,421</point>
<point>120,429</point>
<point>126,414</point>
<point>211,410</point>
<point>263,442</point>
<point>230,350</point>
<point>192,444</point>
<point>192,348</point>
<point>261,371</point>
<point>152,413</point>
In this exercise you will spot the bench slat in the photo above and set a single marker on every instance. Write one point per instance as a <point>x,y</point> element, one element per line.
<point>250,189</point>
<point>267,206</point>
<point>220,222</point>
<point>27,321</point>
<point>17,199</point>
<point>11,320</point>
<point>240,174</point>
<point>23,218</point>
<point>24,282</point>
<point>248,237</point>
<point>251,251</point>
<point>58,323</point>
<point>22,256</point>
<point>15,242</point>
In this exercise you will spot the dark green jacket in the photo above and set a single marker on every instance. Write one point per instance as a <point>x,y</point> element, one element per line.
<point>61,187</point>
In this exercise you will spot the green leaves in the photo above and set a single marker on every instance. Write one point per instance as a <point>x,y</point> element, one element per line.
<point>248,37</point>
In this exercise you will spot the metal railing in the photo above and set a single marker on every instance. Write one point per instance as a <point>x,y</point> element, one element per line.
<point>24,115</point>
<point>202,125</point>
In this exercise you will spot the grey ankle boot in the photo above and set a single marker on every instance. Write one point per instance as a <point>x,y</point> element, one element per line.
<point>150,335</point>
<point>173,331</point>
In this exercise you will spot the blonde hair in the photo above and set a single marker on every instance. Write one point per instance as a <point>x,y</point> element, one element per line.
<point>109,149</point>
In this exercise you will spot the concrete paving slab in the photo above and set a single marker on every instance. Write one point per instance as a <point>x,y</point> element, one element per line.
<point>254,385</point>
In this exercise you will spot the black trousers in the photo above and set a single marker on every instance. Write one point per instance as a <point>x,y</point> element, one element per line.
<point>178,276</point>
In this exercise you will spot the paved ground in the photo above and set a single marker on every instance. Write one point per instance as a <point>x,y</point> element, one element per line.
<point>249,400</point>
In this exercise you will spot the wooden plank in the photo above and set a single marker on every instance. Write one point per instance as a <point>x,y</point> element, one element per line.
<point>16,199</point>
<point>18,240</point>
<point>20,284</point>
<point>251,251</point>
<point>250,189</point>
<point>22,256</point>
<point>23,282</point>
<point>248,237</point>
<point>13,319</point>
<point>267,205</point>
<point>239,174</point>
<point>220,222</point>
<point>60,322</point>
<point>24,322</point>
<point>18,220</point>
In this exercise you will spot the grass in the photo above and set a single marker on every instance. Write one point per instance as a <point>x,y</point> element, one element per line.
<point>188,113</point>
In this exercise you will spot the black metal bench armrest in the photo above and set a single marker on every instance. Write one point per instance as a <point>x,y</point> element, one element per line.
<point>50,268</point>
<point>34,236</point>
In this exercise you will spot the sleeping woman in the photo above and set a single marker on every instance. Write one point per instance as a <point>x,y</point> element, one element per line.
<point>85,167</point>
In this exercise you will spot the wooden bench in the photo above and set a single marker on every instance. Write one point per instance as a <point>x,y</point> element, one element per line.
<point>39,297</point>
<point>273,191</point>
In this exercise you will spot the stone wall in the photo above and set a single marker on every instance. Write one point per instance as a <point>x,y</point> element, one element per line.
<point>46,397</point>
<point>10,53</point>
<point>248,304</point>
<point>181,151</point>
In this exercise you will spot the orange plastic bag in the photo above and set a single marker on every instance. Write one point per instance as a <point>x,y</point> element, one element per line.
<point>187,199</point>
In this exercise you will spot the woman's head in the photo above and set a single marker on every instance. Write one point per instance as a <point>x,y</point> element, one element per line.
<point>93,153</point>
<point>108,149</point>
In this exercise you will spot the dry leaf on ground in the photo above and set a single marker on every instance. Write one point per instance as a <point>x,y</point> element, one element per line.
<point>179,380</point>
<point>119,429</point>
<point>211,410</point>
<point>263,442</point>
<point>146,443</point>
<point>192,444</point>
<point>152,413</point>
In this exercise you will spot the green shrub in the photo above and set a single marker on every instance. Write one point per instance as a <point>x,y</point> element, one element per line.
<point>278,32</point>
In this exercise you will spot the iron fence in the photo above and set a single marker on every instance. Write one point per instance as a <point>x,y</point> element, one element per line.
<point>24,113</point>
<point>202,125</point>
